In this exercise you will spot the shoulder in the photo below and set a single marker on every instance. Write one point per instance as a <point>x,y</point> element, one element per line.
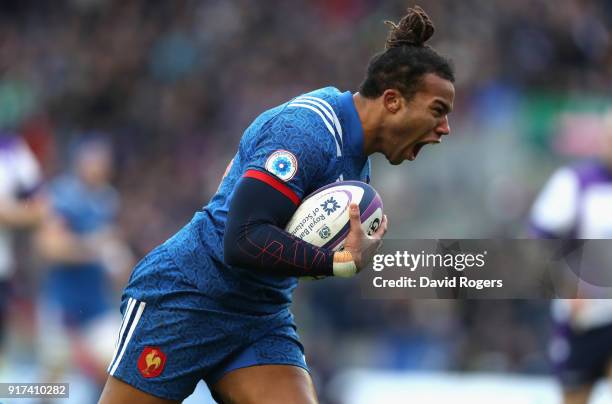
<point>320,105</point>
<point>65,193</point>
<point>64,183</point>
<point>22,157</point>
<point>308,121</point>
<point>563,183</point>
<point>10,142</point>
<point>316,115</point>
<point>590,172</point>
<point>555,208</point>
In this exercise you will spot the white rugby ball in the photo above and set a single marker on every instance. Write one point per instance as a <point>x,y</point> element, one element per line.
<point>323,218</point>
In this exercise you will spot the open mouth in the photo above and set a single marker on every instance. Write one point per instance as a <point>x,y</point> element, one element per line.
<point>417,147</point>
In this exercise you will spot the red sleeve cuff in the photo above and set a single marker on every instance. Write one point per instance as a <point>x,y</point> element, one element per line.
<point>274,183</point>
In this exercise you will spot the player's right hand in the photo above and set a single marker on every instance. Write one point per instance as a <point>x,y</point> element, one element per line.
<point>361,246</point>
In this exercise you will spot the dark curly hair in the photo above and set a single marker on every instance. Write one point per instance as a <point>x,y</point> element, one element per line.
<point>406,58</point>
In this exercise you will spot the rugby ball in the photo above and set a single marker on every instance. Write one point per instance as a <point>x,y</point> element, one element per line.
<point>323,217</point>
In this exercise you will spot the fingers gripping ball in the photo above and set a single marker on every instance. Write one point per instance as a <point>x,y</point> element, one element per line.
<point>323,217</point>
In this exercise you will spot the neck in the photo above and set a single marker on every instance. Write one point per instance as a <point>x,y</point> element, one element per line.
<point>368,115</point>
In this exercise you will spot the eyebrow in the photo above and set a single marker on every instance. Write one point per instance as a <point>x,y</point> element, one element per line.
<point>445,106</point>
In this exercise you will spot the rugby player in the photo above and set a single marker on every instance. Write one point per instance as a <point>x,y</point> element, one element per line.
<point>576,204</point>
<point>213,301</point>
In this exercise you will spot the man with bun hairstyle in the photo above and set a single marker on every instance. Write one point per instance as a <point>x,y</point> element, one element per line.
<point>213,301</point>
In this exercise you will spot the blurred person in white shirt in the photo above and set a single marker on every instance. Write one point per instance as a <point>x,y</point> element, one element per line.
<point>21,207</point>
<point>576,203</point>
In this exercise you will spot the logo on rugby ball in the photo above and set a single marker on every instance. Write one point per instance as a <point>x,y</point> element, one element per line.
<point>283,164</point>
<point>330,206</point>
<point>325,232</point>
<point>374,226</point>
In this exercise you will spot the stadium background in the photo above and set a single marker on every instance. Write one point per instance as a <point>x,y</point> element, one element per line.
<point>174,83</point>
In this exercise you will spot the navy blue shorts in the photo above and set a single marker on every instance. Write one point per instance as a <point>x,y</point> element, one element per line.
<point>173,335</point>
<point>581,358</point>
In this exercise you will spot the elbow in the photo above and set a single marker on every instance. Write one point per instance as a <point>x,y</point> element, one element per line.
<point>230,254</point>
<point>229,259</point>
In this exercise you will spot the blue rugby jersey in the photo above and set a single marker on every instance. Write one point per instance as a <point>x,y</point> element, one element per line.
<point>308,142</point>
<point>82,290</point>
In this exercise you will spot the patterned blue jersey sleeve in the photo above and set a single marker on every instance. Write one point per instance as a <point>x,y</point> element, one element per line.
<point>295,146</point>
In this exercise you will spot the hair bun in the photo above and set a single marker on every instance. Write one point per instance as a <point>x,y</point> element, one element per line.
<point>414,29</point>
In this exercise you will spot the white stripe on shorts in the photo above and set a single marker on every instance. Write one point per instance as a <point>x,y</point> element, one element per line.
<point>124,323</point>
<point>132,327</point>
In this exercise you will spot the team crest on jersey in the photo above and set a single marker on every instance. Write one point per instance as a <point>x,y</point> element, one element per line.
<point>283,164</point>
<point>151,362</point>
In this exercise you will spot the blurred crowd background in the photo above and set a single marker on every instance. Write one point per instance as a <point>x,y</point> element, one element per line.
<point>172,85</point>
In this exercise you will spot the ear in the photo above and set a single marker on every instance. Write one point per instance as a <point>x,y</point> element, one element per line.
<point>392,100</point>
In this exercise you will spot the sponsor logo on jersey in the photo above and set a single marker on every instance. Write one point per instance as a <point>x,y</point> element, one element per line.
<point>151,362</point>
<point>283,164</point>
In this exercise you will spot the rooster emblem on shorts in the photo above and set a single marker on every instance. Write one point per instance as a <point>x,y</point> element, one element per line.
<point>151,362</point>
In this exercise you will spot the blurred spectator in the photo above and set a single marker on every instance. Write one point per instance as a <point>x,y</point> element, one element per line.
<point>20,207</point>
<point>83,255</point>
<point>575,204</point>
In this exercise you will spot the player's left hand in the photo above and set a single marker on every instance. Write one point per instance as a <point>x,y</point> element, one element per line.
<point>361,246</point>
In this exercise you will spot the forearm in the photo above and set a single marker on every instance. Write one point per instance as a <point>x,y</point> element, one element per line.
<point>254,236</point>
<point>66,251</point>
<point>58,245</point>
<point>22,214</point>
<point>265,247</point>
